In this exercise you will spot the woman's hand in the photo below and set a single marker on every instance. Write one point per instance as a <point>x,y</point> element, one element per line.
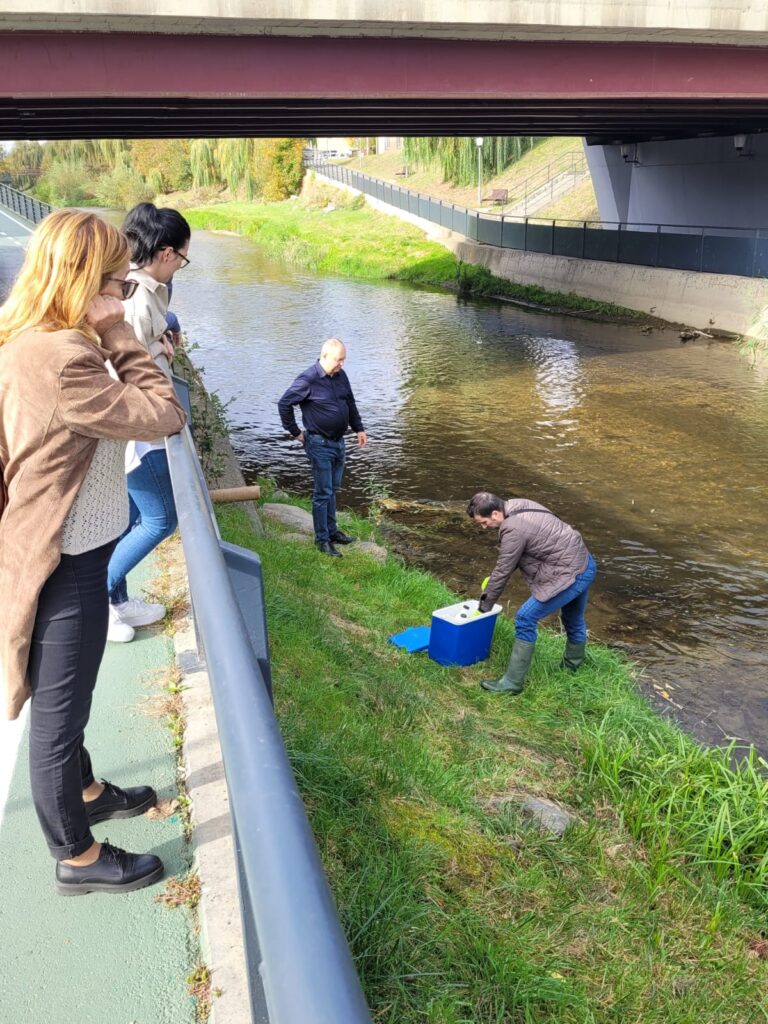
<point>104,312</point>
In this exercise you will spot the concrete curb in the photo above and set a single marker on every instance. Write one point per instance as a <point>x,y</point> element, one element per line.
<point>221,931</point>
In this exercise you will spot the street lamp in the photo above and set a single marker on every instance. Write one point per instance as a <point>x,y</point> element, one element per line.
<point>479,144</point>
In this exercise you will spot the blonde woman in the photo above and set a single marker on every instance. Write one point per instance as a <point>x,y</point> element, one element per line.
<point>64,423</point>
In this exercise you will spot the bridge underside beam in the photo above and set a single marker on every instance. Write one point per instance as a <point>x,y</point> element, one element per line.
<point>600,121</point>
<point>74,85</point>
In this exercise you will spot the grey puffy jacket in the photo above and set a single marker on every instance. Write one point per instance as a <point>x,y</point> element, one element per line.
<point>549,553</point>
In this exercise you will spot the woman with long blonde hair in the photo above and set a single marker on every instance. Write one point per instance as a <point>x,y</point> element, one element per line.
<point>64,423</point>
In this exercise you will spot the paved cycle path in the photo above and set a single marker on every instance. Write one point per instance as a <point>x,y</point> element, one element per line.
<point>100,958</point>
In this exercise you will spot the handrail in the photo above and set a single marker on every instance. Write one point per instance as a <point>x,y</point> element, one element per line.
<point>25,205</point>
<point>571,162</point>
<point>300,966</point>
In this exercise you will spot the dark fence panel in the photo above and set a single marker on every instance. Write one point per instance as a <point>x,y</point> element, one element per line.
<point>639,246</point>
<point>568,241</point>
<point>679,251</point>
<point>540,236</point>
<point>490,230</point>
<point>713,250</point>
<point>724,255</point>
<point>600,244</point>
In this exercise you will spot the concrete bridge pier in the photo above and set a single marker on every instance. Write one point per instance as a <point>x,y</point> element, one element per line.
<point>717,182</point>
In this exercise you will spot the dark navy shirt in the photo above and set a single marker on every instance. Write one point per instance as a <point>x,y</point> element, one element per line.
<point>326,402</point>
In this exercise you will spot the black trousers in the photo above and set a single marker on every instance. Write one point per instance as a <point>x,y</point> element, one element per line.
<point>68,642</point>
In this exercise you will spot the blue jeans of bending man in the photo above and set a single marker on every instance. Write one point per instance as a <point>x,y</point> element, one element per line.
<point>327,460</point>
<point>571,604</point>
<point>152,519</point>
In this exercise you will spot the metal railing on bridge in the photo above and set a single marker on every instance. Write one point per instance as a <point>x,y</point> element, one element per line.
<point>300,969</point>
<point>26,206</point>
<point>711,250</point>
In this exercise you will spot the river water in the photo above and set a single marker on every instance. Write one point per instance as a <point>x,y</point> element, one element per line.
<point>656,450</point>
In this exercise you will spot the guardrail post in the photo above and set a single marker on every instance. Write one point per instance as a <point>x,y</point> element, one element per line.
<point>583,238</point>
<point>618,243</point>
<point>754,254</point>
<point>525,235</point>
<point>701,252</point>
<point>658,244</point>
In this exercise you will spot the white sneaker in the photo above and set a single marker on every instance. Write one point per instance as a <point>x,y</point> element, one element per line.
<point>135,612</point>
<point>118,632</point>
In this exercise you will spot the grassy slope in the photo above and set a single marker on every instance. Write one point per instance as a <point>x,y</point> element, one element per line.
<point>360,242</point>
<point>535,162</point>
<point>578,204</point>
<point>458,912</point>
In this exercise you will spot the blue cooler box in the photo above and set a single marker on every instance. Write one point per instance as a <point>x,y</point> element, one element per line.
<point>459,636</point>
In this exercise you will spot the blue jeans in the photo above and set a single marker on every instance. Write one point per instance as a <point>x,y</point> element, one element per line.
<point>327,460</point>
<point>152,519</point>
<point>571,604</point>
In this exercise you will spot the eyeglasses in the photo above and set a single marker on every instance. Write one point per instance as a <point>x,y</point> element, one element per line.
<point>185,261</point>
<point>127,288</point>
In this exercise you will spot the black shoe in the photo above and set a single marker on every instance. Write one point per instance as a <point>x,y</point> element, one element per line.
<point>114,871</point>
<point>342,538</point>
<point>120,803</point>
<point>327,548</point>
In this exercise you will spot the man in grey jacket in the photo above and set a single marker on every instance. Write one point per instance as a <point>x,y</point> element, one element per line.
<point>557,567</point>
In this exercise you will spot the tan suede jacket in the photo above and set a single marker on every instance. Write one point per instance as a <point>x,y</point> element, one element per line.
<point>57,400</point>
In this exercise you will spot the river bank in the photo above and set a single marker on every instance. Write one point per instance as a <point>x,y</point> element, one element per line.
<point>330,232</point>
<point>458,909</point>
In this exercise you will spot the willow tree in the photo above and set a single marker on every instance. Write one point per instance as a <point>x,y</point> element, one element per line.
<point>235,160</point>
<point>203,163</point>
<point>455,158</point>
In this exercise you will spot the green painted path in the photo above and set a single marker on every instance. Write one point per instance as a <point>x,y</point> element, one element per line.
<point>100,959</point>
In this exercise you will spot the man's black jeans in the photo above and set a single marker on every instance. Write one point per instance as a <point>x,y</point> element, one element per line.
<point>68,642</point>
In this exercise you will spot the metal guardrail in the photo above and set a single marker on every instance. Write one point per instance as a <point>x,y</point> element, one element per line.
<point>300,969</point>
<point>26,206</point>
<point>712,250</point>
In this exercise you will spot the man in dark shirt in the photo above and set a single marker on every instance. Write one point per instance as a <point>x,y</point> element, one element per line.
<point>328,410</point>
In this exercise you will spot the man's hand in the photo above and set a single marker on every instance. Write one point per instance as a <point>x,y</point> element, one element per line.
<point>362,438</point>
<point>301,437</point>
<point>104,312</point>
<point>484,605</point>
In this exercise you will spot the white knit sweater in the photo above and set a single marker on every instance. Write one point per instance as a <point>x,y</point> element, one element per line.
<point>100,511</point>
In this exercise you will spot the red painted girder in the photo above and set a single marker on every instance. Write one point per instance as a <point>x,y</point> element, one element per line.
<point>43,64</point>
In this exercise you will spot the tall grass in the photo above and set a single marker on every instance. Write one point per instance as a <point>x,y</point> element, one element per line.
<point>459,911</point>
<point>361,243</point>
<point>693,807</point>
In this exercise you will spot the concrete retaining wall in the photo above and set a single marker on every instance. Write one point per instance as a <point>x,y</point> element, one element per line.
<point>709,302</point>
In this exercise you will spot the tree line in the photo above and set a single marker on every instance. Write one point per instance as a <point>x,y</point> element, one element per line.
<point>119,173</point>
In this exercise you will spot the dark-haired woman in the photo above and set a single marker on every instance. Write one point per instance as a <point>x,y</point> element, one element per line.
<point>159,240</point>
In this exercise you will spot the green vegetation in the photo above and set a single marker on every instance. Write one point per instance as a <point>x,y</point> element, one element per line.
<point>118,173</point>
<point>455,158</point>
<point>547,158</point>
<point>650,910</point>
<point>355,241</point>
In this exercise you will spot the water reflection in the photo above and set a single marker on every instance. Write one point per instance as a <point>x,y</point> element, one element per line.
<point>558,375</point>
<point>654,449</point>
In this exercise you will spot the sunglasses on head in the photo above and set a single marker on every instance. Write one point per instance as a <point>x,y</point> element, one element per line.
<point>127,288</point>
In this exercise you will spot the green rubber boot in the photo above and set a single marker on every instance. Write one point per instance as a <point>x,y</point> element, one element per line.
<point>513,679</point>
<point>574,656</point>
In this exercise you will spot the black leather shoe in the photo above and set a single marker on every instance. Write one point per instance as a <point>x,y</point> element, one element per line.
<point>114,871</point>
<point>327,548</point>
<point>342,538</point>
<point>120,803</point>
